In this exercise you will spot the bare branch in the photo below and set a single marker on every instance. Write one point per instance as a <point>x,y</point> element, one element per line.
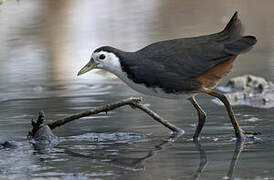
<point>158,118</point>
<point>37,124</point>
<point>132,102</point>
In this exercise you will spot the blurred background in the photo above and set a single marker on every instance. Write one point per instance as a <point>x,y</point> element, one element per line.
<point>44,43</point>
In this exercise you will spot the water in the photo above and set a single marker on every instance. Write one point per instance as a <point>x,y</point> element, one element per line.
<point>45,43</point>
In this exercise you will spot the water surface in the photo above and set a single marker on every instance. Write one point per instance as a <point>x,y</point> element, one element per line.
<point>43,45</point>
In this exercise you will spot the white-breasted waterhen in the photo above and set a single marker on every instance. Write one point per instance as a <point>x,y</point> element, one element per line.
<point>179,68</point>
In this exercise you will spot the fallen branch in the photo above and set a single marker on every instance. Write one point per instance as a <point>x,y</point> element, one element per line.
<point>132,102</point>
<point>158,118</point>
<point>36,125</point>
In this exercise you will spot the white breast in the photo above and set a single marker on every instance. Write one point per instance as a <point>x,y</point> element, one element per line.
<point>144,89</point>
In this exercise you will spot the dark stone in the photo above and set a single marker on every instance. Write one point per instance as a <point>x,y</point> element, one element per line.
<point>44,138</point>
<point>250,90</point>
<point>248,83</point>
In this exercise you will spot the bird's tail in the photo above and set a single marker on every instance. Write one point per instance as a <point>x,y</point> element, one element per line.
<point>233,30</point>
<point>241,45</point>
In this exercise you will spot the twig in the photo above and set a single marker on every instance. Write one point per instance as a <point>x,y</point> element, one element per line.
<point>158,118</point>
<point>37,124</point>
<point>132,102</point>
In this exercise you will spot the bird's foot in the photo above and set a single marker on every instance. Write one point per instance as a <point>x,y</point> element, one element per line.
<point>252,133</point>
<point>195,139</point>
<point>245,135</point>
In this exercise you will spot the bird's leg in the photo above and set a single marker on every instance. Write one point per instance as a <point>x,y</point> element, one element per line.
<point>201,115</point>
<point>238,131</point>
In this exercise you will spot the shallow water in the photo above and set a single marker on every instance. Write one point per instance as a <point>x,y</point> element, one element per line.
<point>43,45</point>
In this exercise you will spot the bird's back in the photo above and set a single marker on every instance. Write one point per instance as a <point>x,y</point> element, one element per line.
<point>176,65</point>
<point>232,31</point>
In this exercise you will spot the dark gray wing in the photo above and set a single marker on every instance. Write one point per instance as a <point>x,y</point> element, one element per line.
<point>173,65</point>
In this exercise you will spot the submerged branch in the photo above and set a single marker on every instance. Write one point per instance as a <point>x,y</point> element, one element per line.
<point>132,102</point>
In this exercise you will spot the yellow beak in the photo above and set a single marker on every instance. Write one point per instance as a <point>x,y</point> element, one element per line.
<point>89,66</point>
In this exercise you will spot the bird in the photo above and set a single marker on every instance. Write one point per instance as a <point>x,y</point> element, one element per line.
<point>180,68</point>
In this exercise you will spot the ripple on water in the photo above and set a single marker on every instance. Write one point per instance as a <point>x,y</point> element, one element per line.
<point>20,116</point>
<point>252,119</point>
<point>78,92</point>
<point>117,137</point>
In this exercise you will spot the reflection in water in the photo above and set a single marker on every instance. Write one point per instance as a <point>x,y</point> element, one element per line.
<point>239,146</point>
<point>133,164</point>
<point>203,161</point>
<point>93,158</point>
<point>137,163</point>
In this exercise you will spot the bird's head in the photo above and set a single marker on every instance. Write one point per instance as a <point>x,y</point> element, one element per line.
<point>102,58</point>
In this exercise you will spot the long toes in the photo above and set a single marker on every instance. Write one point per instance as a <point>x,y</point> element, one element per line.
<point>252,133</point>
<point>195,139</point>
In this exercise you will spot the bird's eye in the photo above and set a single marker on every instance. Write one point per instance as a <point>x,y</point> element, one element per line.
<point>102,57</point>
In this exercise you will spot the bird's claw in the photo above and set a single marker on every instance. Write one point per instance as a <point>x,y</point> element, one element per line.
<point>252,133</point>
<point>196,139</point>
<point>244,135</point>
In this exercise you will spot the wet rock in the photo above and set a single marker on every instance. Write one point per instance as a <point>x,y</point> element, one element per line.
<point>249,90</point>
<point>248,84</point>
<point>44,138</point>
<point>41,135</point>
<point>44,134</point>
